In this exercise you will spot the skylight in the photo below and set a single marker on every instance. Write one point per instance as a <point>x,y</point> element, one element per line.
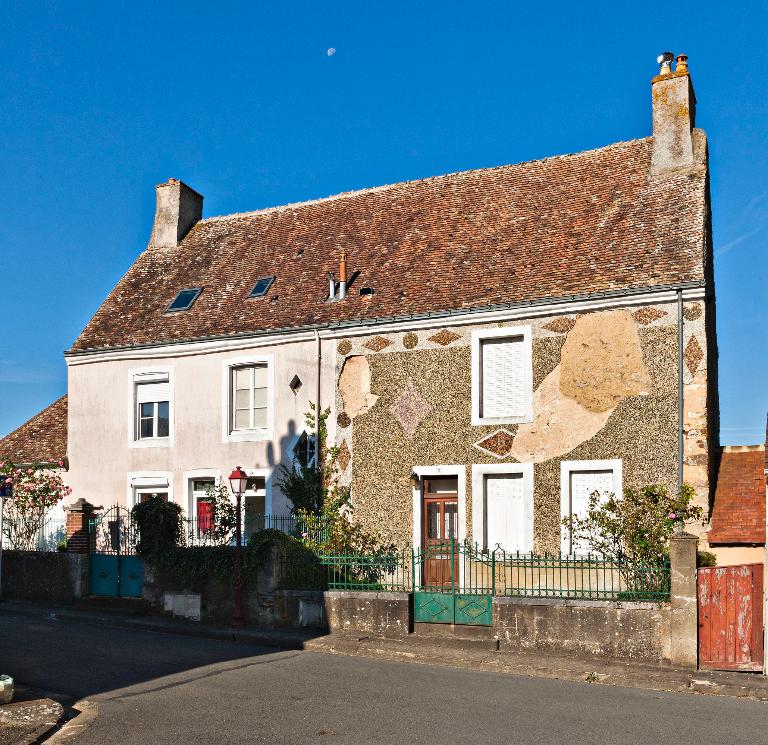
<point>184,300</point>
<point>262,285</point>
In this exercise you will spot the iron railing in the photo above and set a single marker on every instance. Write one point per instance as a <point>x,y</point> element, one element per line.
<point>206,531</point>
<point>50,535</point>
<point>464,568</point>
<point>587,577</point>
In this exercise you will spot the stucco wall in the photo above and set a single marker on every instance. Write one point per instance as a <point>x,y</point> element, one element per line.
<point>100,421</point>
<point>605,387</point>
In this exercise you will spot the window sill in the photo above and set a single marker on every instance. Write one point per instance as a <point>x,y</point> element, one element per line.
<point>480,421</point>
<point>251,435</point>
<point>157,442</point>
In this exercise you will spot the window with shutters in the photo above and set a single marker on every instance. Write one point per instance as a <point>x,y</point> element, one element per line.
<point>501,376</point>
<point>502,506</point>
<point>152,408</point>
<point>248,402</point>
<point>579,480</point>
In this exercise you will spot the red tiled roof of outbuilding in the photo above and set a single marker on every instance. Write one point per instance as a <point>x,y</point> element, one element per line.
<point>42,439</point>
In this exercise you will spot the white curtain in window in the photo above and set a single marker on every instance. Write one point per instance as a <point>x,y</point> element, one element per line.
<point>503,378</point>
<point>506,524</point>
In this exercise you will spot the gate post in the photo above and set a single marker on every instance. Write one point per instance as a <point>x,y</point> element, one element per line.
<point>79,516</point>
<point>685,620</point>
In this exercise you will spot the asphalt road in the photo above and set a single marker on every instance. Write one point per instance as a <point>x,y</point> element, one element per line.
<point>162,688</point>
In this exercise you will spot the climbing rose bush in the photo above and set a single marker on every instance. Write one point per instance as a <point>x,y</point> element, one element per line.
<point>35,492</point>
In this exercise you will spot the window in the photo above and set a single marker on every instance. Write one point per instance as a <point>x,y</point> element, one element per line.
<point>201,489</point>
<point>144,485</point>
<point>501,376</point>
<point>184,300</point>
<point>254,506</point>
<point>502,506</point>
<point>304,450</point>
<point>262,286</point>
<point>152,396</point>
<point>249,398</point>
<point>579,480</point>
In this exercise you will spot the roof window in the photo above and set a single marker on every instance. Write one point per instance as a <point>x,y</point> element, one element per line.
<point>184,300</point>
<point>262,286</point>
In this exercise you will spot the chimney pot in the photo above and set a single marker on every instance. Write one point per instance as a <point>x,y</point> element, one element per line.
<point>179,207</point>
<point>682,63</point>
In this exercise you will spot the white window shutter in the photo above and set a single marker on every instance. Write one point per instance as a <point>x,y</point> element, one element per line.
<point>583,485</point>
<point>503,378</point>
<point>506,513</point>
<point>153,392</point>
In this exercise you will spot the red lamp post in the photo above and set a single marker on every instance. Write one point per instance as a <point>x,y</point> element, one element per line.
<point>238,481</point>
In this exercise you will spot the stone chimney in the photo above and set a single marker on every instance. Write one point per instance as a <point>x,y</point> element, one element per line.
<point>674,116</point>
<point>178,209</point>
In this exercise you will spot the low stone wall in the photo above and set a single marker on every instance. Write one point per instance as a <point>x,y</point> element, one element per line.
<point>55,577</point>
<point>386,614</point>
<point>623,630</point>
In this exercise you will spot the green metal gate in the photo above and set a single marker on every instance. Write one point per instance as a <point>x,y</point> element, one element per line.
<point>115,570</point>
<point>453,583</point>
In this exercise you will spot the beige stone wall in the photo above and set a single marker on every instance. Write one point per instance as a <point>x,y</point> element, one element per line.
<point>605,386</point>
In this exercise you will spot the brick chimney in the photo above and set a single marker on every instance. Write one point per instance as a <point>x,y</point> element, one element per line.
<point>178,208</point>
<point>674,116</point>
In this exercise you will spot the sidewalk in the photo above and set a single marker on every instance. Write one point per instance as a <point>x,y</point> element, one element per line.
<point>28,718</point>
<point>452,652</point>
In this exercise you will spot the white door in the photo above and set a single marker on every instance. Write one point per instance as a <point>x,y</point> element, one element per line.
<point>582,485</point>
<point>506,523</point>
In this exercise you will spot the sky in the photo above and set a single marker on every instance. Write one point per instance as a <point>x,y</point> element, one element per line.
<point>247,103</point>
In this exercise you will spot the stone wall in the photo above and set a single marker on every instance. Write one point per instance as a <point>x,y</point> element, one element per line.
<point>638,631</point>
<point>384,614</point>
<point>54,577</point>
<point>605,387</point>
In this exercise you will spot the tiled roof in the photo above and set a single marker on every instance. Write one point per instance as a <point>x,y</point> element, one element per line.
<point>739,513</point>
<point>42,439</point>
<point>584,223</point>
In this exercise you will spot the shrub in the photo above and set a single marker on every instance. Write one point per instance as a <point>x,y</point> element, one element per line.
<point>706,559</point>
<point>159,526</point>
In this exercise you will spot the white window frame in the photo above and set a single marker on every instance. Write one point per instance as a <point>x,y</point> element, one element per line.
<point>480,335</point>
<point>189,506</point>
<point>266,474</point>
<point>139,481</point>
<point>136,377</point>
<point>460,472</point>
<point>227,393</point>
<point>479,472</point>
<point>567,467</point>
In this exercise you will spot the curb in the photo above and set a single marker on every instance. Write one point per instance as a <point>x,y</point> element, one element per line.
<point>87,712</point>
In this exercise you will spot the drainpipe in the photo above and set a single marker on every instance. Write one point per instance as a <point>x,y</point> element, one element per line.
<point>679,390</point>
<point>319,356</point>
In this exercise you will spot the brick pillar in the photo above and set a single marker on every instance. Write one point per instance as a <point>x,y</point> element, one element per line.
<point>685,617</point>
<point>79,516</point>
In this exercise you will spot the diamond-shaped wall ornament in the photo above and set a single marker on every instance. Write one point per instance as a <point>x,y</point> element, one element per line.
<point>344,456</point>
<point>561,325</point>
<point>648,315</point>
<point>410,409</point>
<point>444,337</point>
<point>377,343</point>
<point>693,355</point>
<point>498,443</point>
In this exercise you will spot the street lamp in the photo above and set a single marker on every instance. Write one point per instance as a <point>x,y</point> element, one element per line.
<point>238,482</point>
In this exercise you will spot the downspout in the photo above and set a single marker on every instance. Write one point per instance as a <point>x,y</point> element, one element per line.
<point>679,390</point>
<point>319,357</point>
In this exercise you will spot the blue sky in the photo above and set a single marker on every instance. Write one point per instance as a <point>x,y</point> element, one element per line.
<point>99,102</point>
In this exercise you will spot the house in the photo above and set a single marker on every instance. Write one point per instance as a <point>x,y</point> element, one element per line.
<point>737,528</point>
<point>495,345</point>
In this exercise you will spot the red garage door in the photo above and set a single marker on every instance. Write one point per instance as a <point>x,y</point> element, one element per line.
<point>731,617</point>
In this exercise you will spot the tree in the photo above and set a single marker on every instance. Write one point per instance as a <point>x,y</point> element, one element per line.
<point>636,528</point>
<point>35,491</point>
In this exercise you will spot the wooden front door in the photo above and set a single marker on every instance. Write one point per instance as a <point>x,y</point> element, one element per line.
<point>440,524</point>
<point>731,617</point>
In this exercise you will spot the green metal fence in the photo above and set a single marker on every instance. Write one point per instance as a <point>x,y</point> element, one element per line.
<point>464,569</point>
<point>587,577</point>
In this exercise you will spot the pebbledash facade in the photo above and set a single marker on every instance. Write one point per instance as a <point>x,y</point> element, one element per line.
<point>495,345</point>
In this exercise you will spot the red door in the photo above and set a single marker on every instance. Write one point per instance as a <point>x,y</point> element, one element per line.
<point>440,515</point>
<point>731,617</point>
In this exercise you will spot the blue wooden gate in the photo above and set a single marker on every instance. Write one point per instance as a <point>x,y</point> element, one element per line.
<point>115,570</point>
